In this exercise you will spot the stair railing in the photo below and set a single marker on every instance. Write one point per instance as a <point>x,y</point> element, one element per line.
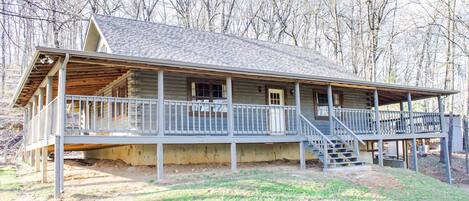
<point>346,135</point>
<point>315,137</point>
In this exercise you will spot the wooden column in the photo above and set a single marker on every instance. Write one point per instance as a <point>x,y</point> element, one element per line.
<point>60,134</point>
<point>378,128</point>
<point>330,108</point>
<point>298,126</point>
<point>234,157</point>
<point>412,131</point>
<point>47,127</point>
<point>161,112</point>
<point>39,127</point>
<point>230,124</point>
<point>441,109</point>
<point>25,127</point>
<point>161,127</point>
<point>35,137</point>
<point>302,156</point>
<point>159,162</point>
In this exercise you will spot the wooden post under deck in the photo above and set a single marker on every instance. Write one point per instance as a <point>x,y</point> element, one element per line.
<point>378,128</point>
<point>60,134</point>
<point>46,128</point>
<point>33,131</point>
<point>298,127</point>
<point>441,109</point>
<point>230,124</point>
<point>161,127</point>
<point>412,130</point>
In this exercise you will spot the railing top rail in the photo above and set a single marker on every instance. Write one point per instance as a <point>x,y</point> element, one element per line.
<point>192,102</point>
<point>69,97</point>
<point>348,130</point>
<point>316,129</point>
<point>259,105</point>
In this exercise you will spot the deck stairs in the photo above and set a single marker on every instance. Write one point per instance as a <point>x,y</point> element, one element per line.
<point>332,151</point>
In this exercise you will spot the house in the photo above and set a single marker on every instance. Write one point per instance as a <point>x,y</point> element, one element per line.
<point>149,93</point>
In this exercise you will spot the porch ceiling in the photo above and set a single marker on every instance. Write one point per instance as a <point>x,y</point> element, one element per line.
<point>88,72</point>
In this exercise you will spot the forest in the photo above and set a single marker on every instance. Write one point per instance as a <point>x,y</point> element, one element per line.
<point>420,43</point>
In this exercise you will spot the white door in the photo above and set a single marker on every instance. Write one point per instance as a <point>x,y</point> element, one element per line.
<point>277,114</point>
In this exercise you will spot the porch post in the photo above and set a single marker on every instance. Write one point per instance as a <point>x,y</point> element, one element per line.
<point>46,128</point>
<point>60,134</point>
<point>230,124</point>
<point>34,131</point>
<point>330,109</point>
<point>161,116</point>
<point>229,100</point>
<point>159,162</point>
<point>40,104</point>
<point>298,126</point>
<point>25,128</point>
<point>378,128</point>
<point>441,109</point>
<point>412,131</point>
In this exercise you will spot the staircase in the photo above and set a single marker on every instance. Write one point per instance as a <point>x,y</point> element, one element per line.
<point>333,151</point>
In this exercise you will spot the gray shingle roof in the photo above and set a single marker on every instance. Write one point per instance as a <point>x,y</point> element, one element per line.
<point>158,41</point>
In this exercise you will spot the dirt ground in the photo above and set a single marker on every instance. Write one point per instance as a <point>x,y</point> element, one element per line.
<point>110,180</point>
<point>84,179</point>
<point>430,166</point>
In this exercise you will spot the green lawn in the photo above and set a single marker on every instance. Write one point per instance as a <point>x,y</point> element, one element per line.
<point>263,185</point>
<point>9,184</point>
<point>385,184</point>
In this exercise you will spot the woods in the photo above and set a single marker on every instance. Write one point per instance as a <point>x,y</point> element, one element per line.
<point>420,43</point>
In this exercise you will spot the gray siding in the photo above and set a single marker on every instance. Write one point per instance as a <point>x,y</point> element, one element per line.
<point>143,84</point>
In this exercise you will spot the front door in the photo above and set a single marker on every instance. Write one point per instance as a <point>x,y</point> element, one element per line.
<point>277,114</point>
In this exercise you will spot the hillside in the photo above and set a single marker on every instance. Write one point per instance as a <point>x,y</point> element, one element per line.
<point>105,180</point>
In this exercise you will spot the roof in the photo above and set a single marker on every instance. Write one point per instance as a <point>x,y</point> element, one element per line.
<point>158,41</point>
<point>37,71</point>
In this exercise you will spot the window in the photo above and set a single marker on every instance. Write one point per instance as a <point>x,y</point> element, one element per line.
<point>119,90</point>
<point>208,91</point>
<point>322,103</point>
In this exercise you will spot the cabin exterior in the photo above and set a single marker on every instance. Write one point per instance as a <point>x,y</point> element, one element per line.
<point>158,94</point>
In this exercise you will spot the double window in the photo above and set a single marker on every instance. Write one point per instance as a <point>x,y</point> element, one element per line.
<point>322,106</point>
<point>206,91</point>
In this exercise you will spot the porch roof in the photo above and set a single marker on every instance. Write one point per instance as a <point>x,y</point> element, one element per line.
<point>89,71</point>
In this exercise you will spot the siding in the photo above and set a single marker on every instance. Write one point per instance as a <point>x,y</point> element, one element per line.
<point>143,84</point>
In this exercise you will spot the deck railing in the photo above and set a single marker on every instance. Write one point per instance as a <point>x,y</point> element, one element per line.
<point>346,135</point>
<point>195,118</point>
<point>316,138</point>
<point>38,128</point>
<point>92,115</point>
<point>100,115</point>
<point>363,121</point>
<point>252,119</point>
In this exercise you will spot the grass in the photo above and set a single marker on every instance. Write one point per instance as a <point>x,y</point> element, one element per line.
<point>252,185</point>
<point>9,183</point>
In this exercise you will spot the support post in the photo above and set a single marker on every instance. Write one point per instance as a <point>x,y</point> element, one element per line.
<point>59,142</point>
<point>159,162</point>
<point>330,109</point>
<point>230,115</point>
<point>302,155</point>
<point>39,126</point>
<point>298,107</point>
<point>441,109</point>
<point>161,103</point>
<point>47,128</point>
<point>234,157</point>
<point>412,131</point>
<point>378,128</point>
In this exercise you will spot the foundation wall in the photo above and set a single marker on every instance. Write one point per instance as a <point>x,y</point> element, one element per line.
<point>199,153</point>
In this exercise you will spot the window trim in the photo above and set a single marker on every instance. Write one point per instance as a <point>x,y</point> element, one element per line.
<point>205,81</point>
<point>316,104</point>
